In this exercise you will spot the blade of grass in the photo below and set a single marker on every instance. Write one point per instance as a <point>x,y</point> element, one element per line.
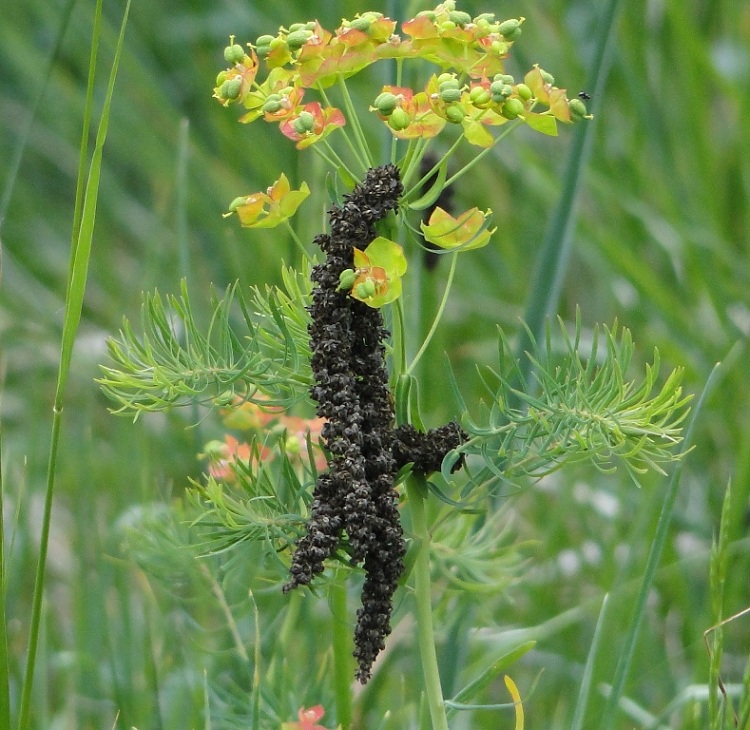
<point>553,260</point>
<point>657,546</point>
<point>80,253</point>
<point>4,657</point>
<point>588,671</point>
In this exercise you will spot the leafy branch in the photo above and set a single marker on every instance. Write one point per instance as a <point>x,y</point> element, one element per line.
<point>577,410</point>
<point>174,363</point>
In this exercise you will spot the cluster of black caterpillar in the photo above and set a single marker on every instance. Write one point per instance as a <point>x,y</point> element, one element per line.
<point>355,498</point>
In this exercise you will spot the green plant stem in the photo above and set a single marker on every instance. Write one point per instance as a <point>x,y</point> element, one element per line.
<point>438,316</point>
<point>81,253</point>
<point>356,126</point>
<point>342,654</point>
<point>301,246</point>
<point>361,156</point>
<point>417,491</point>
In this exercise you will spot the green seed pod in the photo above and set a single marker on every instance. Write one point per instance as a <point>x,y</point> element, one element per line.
<point>449,96</point>
<point>429,14</point>
<point>523,91</point>
<point>447,26</point>
<point>236,203</point>
<point>446,78</point>
<point>480,96</point>
<point>298,39</point>
<point>234,53</point>
<point>577,109</point>
<point>296,26</point>
<point>500,89</point>
<point>455,114</point>
<point>399,119</point>
<point>365,289</point>
<point>484,17</point>
<point>511,29</point>
<point>271,106</point>
<point>230,89</point>
<point>548,77</point>
<point>221,78</point>
<point>346,279</point>
<point>512,108</point>
<point>265,40</point>
<point>499,48</point>
<point>385,103</point>
<point>459,17</point>
<point>277,43</point>
<point>263,51</point>
<point>306,122</point>
<point>362,24</point>
<point>311,25</point>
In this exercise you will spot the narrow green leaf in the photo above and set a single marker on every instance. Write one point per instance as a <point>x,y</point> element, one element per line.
<point>426,200</point>
<point>485,678</point>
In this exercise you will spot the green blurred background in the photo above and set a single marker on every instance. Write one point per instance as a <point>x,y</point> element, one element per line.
<point>661,244</point>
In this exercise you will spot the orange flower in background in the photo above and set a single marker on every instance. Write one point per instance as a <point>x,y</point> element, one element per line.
<point>308,719</point>
<point>223,455</point>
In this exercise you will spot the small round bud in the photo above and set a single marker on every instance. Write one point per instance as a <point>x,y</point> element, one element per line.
<point>500,90</point>
<point>577,109</point>
<point>236,203</point>
<point>523,91</point>
<point>499,48</point>
<point>455,114</point>
<point>296,26</point>
<point>263,51</point>
<point>385,103</point>
<point>446,78</point>
<point>459,17</point>
<point>346,279</point>
<point>234,53</point>
<point>221,78</point>
<point>484,17</point>
<point>298,39</point>
<point>548,77</point>
<point>399,119</point>
<point>480,96</point>
<point>447,26</point>
<point>271,106</point>
<point>265,40</point>
<point>365,289</point>
<point>304,123</point>
<point>510,29</point>
<point>512,108</point>
<point>450,85</point>
<point>230,89</point>
<point>450,95</point>
<point>362,24</point>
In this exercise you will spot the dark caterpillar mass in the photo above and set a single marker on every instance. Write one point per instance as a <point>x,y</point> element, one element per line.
<point>354,503</point>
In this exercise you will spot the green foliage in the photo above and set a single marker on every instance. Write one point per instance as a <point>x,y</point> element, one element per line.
<point>656,237</point>
<point>576,410</point>
<point>173,363</point>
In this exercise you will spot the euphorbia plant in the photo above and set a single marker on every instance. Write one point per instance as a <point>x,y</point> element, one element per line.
<point>324,339</point>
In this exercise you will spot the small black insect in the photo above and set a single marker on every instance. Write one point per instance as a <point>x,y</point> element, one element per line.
<point>584,95</point>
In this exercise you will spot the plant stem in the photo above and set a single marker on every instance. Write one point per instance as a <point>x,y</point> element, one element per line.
<point>416,491</point>
<point>342,653</point>
<point>438,316</point>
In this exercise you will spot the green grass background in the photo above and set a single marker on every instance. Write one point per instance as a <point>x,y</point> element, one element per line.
<point>661,243</point>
